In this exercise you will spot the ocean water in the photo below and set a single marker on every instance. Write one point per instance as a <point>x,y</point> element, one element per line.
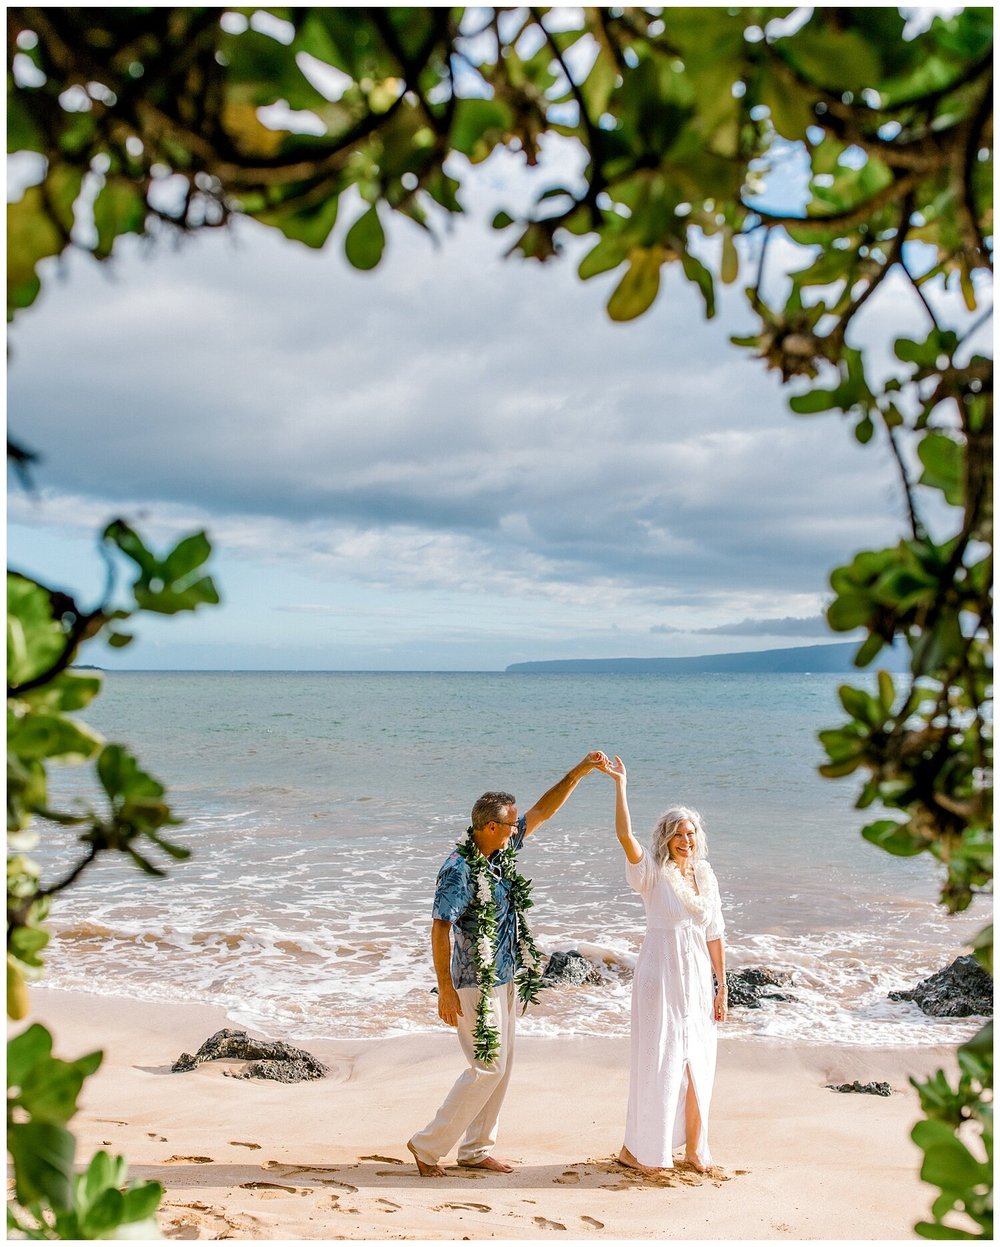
<point>319,806</point>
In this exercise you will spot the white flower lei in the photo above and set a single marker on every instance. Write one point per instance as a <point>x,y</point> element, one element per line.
<point>486,1036</point>
<point>699,903</point>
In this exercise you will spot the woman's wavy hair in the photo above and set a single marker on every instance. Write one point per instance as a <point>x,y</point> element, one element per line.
<point>666,828</point>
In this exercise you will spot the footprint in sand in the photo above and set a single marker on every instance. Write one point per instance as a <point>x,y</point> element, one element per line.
<point>386,1160</point>
<point>390,1206</point>
<point>189,1160</point>
<point>598,1225</point>
<point>463,1208</point>
<point>158,1137</point>
<point>239,1143</point>
<point>270,1190</point>
<point>544,1223</point>
<point>570,1177</point>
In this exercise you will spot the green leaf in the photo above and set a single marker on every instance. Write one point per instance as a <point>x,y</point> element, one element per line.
<point>597,87</point>
<point>25,1051</point>
<point>365,240</point>
<point>100,1174</point>
<point>188,555</point>
<point>837,59</point>
<point>944,466</point>
<point>42,735</point>
<point>606,255</point>
<point>170,601</point>
<point>791,111</point>
<point>813,401</point>
<point>893,837</point>
<point>478,125</point>
<point>105,1213</point>
<point>38,225</point>
<point>860,705</point>
<point>847,612</point>
<point>70,690</point>
<point>131,544</point>
<point>949,1165</point>
<point>302,221</point>
<point>120,208</point>
<point>864,430</point>
<point>43,1163</point>
<point>696,272</point>
<point>637,289</point>
<point>730,268</point>
<point>34,639</point>
<point>121,776</point>
<point>927,1229</point>
<point>870,647</point>
<point>141,1201</point>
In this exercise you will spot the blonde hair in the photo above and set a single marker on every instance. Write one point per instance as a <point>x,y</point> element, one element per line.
<point>667,827</point>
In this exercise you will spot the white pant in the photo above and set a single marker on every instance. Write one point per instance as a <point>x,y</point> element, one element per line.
<point>472,1106</point>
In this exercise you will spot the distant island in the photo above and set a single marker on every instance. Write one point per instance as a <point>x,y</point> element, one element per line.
<point>802,659</point>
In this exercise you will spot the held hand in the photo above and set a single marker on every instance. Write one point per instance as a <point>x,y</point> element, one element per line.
<point>449,1006</point>
<point>595,761</point>
<point>721,1008</point>
<point>616,770</point>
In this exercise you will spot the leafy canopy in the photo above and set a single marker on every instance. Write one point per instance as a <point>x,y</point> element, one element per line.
<point>144,121</point>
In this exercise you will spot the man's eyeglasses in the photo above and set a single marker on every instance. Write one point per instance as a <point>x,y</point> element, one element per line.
<point>497,823</point>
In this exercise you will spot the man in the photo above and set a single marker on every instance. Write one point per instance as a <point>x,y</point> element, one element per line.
<point>472,1107</point>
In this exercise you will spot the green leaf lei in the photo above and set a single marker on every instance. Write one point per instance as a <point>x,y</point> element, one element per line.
<point>527,959</point>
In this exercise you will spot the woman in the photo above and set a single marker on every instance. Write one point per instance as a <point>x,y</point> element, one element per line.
<point>675,1005</point>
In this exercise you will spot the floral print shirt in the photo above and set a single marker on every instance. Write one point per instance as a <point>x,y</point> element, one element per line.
<point>452,900</point>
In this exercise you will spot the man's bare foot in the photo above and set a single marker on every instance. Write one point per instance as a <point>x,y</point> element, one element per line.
<point>694,1163</point>
<point>626,1158</point>
<point>488,1162</point>
<point>425,1170</point>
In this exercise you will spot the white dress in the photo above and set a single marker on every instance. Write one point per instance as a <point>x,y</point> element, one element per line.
<point>673,1013</point>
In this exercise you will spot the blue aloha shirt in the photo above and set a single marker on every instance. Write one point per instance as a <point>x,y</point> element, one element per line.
<point>452,899</point>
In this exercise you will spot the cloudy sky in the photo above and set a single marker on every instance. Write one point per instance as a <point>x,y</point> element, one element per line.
<point>454,462</point>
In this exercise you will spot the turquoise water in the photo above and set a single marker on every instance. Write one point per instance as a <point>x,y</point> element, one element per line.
<point>320,805</point>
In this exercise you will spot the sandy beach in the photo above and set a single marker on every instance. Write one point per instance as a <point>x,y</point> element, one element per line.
<point>321,1160</point>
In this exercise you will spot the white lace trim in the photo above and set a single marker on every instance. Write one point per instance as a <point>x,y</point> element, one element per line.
<point>700,903</point>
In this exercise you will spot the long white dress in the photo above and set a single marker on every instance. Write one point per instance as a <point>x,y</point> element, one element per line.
<point>673,1022</point>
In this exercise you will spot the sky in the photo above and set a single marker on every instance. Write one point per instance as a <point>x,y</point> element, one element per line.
<point>454,462</point>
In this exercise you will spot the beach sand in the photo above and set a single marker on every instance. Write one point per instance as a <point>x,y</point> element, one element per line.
<point>248,1159</point>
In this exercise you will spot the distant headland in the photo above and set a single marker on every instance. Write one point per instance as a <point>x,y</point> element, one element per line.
<point>802,659</point>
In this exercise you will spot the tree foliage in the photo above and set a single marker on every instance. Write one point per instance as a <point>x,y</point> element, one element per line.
<point>46,629</point>
<point>145,121</point>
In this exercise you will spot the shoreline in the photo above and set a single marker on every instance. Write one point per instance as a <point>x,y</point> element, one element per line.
<point>257,1160</point>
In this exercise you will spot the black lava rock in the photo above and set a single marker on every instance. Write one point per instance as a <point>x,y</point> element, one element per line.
<point>747,988</point>
<point>278,1061</point>
<point>961,990</point>
<point>865,1088</point>
<point>571,969</point>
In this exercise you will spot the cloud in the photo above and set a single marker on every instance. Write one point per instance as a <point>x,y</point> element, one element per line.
<point>813,625</point>
<point>452,423</point>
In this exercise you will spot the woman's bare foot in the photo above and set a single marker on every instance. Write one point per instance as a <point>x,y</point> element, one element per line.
<point>488,1162</point>
<point>694,1163</point>
<point>425,1170</point>
<point>626,1158</point>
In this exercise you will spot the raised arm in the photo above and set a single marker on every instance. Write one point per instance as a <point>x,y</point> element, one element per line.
<point>550,801</point>
<point>623,819</point>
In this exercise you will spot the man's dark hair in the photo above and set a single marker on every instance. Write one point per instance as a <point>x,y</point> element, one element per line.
<point>491,808</point>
